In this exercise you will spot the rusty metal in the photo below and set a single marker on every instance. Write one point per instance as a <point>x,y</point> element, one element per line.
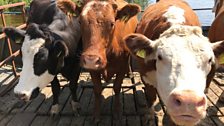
<point>12,55</point>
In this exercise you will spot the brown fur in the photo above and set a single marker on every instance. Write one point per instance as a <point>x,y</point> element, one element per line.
<point>105,41</point>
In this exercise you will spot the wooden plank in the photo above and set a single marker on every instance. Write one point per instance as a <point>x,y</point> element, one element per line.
<point>129,104</point>
<point>106,104</point>
<point>63,97</point>
<point>140,99</point>
<point>122,109</point>
<point>52,120</point>
<point>68,108</point>
<point>46,105</point>
<point>6,119</point>
<point>88,121</point>
<point>85,100</point>
<point>35,104</point>
<point>213,98</point>
<point>219,121</point>
<point>65,121</point>
<point>22,119</point>
<point>39,121</point>
<point>105,121</point>
<point>8,102</point>
<point>78,121</point>
<point>133,121</point>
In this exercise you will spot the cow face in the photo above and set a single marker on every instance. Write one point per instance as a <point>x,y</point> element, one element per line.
<point>42,57</point>
<point>98,21</point>
<point>182,60</point>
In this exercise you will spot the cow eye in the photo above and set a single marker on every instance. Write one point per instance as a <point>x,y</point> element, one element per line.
<point>210,60</point>
<point>160,57</point>
<point>112,24</point>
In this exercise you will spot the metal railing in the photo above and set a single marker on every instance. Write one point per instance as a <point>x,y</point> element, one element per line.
<point>12,54</point>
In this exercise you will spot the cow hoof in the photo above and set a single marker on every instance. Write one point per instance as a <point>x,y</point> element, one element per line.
<point>54,109</point>
<point>76,107</point>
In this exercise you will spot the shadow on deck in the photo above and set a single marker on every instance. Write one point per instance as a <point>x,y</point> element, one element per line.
<point>36,112</point>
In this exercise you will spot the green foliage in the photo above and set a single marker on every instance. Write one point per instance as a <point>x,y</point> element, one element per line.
<point>142,3</point>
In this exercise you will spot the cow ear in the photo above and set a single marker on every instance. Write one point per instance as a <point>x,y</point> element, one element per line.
<point>67,6</point>
<point>60,49</point>
<point>139,45</point>
<point>14,34</point>
<point>127,12</point>
<point>218,49</point>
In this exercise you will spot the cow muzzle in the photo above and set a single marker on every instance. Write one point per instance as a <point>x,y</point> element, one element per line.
<point>186,107</point>
<point>92,62</point>
<point>26,97</point>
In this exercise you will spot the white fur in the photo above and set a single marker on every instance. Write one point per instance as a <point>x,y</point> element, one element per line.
<point>28,80</point>
<point>175,15</point>
<point>184,65</point>
<point>89,5</point>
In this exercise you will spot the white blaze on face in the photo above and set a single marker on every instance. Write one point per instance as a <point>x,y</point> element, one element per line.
<point>88,6</point>
<point>175,15</point>
<point>28,80</point>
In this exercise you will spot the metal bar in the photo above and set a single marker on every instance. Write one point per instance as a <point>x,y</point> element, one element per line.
<point>202,9</point>
<point>23,13</point>
<point>10,58</point>
<point>9,45</point>
<point>12,5</point>
<point>19,27</point>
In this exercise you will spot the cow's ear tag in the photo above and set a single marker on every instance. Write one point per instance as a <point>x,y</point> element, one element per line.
<point>141,53</point>
<point>221,59</point>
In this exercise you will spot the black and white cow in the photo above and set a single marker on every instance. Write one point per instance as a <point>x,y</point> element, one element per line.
<point>49,46</point>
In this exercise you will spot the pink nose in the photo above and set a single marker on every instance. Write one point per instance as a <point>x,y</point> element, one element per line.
<point>91,61</point>
<point>187,99</point>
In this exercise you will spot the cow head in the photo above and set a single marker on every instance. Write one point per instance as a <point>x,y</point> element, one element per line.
<point>42,56</point>
<point>183,59</point>
<point>98,21</point>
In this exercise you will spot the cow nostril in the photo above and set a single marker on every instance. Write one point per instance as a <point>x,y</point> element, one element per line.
<point>202,102</point>
<point>20,95</point>
<point>98,61</point>
<point>35,93</point>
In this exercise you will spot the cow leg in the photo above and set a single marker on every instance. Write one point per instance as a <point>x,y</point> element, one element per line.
<point>150,93</point>
<point>117,106</point>
<point>96,79</point>
<point>55,87</point>
<point>73,87</point>
<point>130,71</point>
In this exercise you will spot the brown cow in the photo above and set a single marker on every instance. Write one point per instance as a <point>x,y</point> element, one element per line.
<point>217,27</point>
<point>175,59</point>
<point>103,25</point>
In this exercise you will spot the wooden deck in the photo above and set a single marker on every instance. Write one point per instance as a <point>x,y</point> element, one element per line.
<point>36,112</point>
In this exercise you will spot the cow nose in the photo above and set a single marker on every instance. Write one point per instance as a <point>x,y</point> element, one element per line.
<point>92,61</point>
<point>187,99</point>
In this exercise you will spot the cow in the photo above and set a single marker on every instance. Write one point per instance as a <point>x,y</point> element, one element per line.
<point>175,60</point>
<point>51,44</point>
<point>215,33</point>
<point>216,29</point>
<point>103,26</point>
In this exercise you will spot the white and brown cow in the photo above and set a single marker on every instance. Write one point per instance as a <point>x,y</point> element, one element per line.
<point>103,25</point>
<point>51,44</point>
<point>175,59</point>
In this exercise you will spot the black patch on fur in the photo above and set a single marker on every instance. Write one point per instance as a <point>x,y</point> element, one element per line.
<point>35,93</point>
